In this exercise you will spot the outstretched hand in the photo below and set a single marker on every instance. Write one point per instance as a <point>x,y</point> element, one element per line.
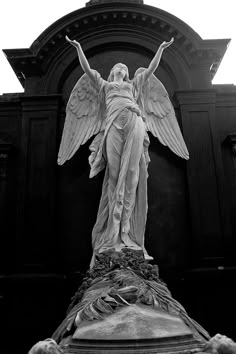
<point>164,45</point>
<point>73,42</point>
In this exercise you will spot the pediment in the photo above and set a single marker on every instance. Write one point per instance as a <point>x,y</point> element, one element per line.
<point>115,24</point>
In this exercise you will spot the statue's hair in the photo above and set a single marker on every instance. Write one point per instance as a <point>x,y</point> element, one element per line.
<point>47,346</point>
<point>111,75</point>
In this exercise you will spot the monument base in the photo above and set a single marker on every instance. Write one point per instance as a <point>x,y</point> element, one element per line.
<point>123,307</point>
<point>134,329</point>
<point>169,345</point>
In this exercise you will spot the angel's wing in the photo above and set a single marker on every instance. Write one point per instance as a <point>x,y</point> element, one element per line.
<point>84,117</point>
<point>160,116</point>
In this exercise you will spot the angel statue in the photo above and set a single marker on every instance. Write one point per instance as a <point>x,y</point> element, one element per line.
<point>120,111</point>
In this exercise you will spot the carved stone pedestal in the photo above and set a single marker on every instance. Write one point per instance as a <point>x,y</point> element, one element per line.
<point>134,329</point>
<point>123,307</point>
<point>170,345</point>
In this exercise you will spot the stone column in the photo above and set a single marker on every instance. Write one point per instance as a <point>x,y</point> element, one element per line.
<point>5,153</point>
<point>36,216</point>
<point>197,108</point>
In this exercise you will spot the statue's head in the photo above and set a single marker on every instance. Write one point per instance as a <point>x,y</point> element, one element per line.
<point>119,67</point>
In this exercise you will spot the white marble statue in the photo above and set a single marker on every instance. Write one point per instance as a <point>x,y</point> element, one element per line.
<point>120,111</point>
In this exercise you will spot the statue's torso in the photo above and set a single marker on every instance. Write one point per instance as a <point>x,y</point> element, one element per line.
<point>118,96</point>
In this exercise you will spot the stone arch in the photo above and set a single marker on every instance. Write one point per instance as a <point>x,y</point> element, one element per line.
<point>49,69</point>
<point>192,60</point>
<point>173,73</point>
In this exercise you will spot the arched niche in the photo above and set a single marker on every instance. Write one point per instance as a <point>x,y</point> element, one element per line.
<point>190,61</point>
<point>110,33</point>
<point>103,60</point>
<point>134,50</point>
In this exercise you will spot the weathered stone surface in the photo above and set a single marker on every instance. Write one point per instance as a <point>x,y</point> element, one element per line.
<point>133,322</point>
<point>123,307</point>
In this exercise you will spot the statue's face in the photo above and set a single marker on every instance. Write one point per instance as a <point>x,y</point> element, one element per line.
<point>120,70</point>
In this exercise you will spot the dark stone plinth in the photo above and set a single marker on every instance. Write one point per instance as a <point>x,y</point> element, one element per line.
<point>132,348</point>
<point>122,306</point>
<point>174,344</point>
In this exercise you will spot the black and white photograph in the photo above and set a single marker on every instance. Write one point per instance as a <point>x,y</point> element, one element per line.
<point>118,177</point>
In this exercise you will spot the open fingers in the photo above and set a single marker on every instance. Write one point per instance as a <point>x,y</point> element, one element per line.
<point>68,39</point>
<point>170,42</point>
<point>167,44</point>
<point>73,42</point>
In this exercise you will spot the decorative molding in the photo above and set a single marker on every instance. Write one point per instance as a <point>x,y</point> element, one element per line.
<point>193,97</point>
<point>107,18</point>
<point>97,2</point>
<point>225,95</point>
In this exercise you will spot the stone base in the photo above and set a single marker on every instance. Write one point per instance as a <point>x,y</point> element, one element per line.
<point>166,345</point>
<point>133,322</point>
<point>134,329</point>
<point>123,307</point>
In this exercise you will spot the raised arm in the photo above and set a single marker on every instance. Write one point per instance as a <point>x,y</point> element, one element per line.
<point>156,60</point>
<point>82,58</point>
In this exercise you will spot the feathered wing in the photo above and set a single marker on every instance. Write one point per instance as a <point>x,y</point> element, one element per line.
<point>160,117</point>
<point>84,117</point>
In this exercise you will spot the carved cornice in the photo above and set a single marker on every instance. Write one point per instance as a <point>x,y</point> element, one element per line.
<point>115,18</point>
<point>96,2</point>
<point>196,97</point>
<point>225,95</point>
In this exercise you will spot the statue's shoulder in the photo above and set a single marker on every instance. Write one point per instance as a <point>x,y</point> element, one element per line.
<point>100,83</point>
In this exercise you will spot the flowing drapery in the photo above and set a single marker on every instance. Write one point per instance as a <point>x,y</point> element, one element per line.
<point>123,146</point>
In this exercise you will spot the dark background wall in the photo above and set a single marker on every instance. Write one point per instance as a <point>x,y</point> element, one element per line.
<point>47,212</point>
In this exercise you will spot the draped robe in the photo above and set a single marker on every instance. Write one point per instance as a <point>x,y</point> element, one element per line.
<point>123,148</point>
